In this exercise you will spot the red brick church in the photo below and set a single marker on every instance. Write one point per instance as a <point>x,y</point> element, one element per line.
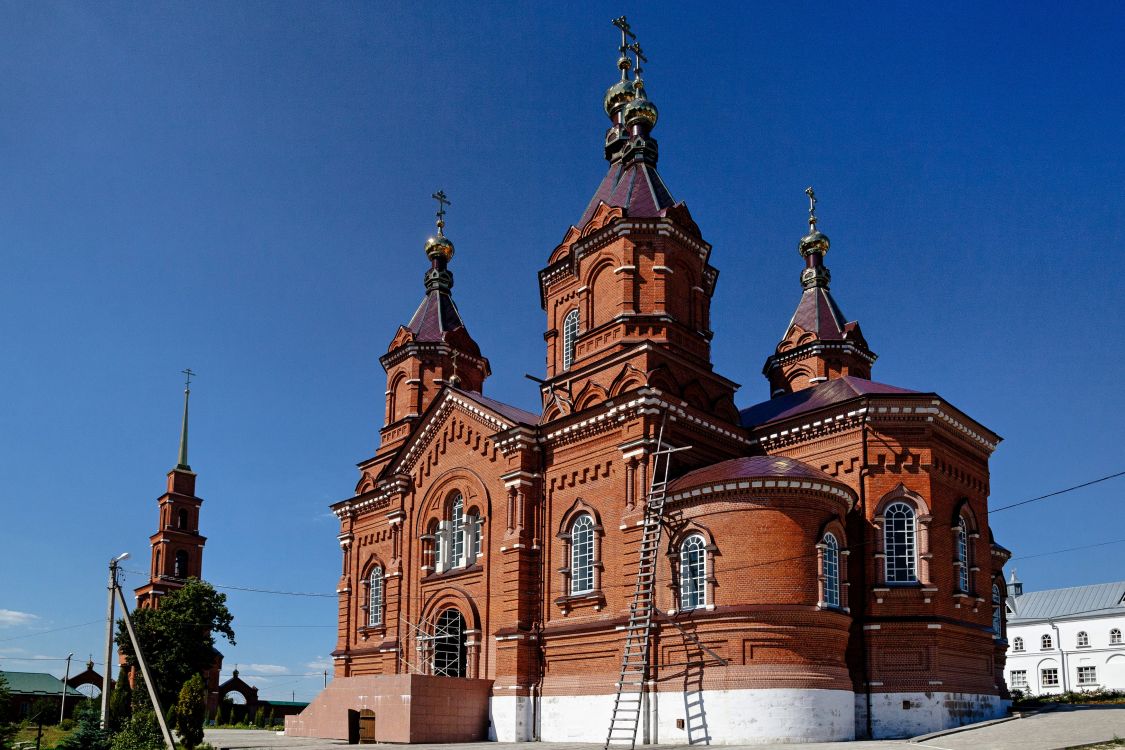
<point>819,565</point>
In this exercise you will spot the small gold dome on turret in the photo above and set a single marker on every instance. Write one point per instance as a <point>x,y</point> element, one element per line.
<point>813,242</point>
<point>439,246</point>
<point>640,110</point>
<point>619,94</point>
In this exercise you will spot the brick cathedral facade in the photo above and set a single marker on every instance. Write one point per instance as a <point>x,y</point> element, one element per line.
<point>826,572</point>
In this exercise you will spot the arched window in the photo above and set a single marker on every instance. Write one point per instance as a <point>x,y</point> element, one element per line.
<point>182,519</point>
<point>375,597</point>
<point>693,572</point>
<point>570,337</point>
<point>473,531</point>
<point>582,555</point>
<point>1017,644</point>
<point>831,570</point>
<point>449,644</point>
<point>899,543</point>
<point>181,567</point>
<point>1083,639</point>
<point>1115,637</point>
<point>961,540</point>
<point>997,612</point>
<point>1045,643</point>
<point>457,531</point>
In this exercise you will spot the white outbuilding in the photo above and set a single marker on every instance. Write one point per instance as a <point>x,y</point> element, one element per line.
<point>1066,639</point>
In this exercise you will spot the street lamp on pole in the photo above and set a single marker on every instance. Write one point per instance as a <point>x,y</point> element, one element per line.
<point>62,706</point>
<point>109,636</point>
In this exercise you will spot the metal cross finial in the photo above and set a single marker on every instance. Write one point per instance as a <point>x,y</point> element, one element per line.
<point>187,379</point>
<point>639,54</point>
<point>812,206</point>
<point>626,35</point>
<point>443,201</point>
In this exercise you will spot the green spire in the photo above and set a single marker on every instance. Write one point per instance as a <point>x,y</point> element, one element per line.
<point>182,465</point>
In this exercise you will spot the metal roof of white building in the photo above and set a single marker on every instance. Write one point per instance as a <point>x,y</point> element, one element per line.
<point>1098,598</point>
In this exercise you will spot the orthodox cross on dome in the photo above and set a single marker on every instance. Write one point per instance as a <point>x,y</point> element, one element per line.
<point>812,207</point>
<point>626,34</point>
<point>443,201</point>
<point>639,55</point>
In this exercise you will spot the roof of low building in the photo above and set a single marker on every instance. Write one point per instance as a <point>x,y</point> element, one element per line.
<point>819,396</point>
<point>37,683</point>
<point>513,413</point>
<point>1094,599</point>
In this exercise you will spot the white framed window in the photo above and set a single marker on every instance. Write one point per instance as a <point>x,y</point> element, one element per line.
<point>570,338</point>
<point>831,570</point>
<point>1049,677</point>
<point>1087,675</point>
<point>1018,679</point>
<point>997,612</point>
<point>1017,644</point>
<point>473,530</point>
<point>900,543</point>
<point>961,538</point>
<point>1045,643</point>
<point>1115,637</point>
<point>457,531</point>
<point>693,572</point>
<point>1083,639</point>
<point>375,597</point>
<point>582,555</point>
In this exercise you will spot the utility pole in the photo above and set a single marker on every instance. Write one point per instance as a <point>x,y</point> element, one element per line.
<point>144,671</point>
<point>109,636</point>
<point>62,703</point>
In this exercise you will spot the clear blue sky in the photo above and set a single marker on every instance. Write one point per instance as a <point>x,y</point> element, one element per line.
<point>243,188</point>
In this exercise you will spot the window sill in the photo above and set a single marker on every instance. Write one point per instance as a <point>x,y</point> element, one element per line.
<point>595,599</point>
<point>370,631</point>
<point>453,572</point>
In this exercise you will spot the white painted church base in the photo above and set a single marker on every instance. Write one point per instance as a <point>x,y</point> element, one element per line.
<point>510,719</point>
<point>723,717</point>
<point>898,715</point>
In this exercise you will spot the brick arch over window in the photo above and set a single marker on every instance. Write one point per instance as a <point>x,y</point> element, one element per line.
<point>692,528</point>
<point>576,513</point>
<point>459,600</point>
<point>435,515</point>
<point>372,604</point>
<point>921,535</point>
<point>832,584</point>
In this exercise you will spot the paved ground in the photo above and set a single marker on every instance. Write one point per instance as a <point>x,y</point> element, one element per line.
<point>1066,727</point>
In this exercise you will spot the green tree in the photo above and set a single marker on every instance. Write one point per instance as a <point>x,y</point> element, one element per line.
<point>191,711</point>
<point>178,638</point>
<point>139,733</point>
<point>44,711</point>
<point>260,717</point>
<point>7,728</point>
<point>120,704</point>
<point>88,734</point>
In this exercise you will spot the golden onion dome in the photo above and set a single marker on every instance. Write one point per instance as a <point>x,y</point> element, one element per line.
<point>439,246</point>
<point>641,110</point>
<point>619,94</point>
<point>813,242</point>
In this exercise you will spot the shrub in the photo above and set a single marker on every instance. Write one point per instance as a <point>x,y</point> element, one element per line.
<point>88,734</point>
<point>139,733</point>
<point>191,710</point>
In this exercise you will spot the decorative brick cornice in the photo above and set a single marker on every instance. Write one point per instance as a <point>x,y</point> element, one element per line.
<point>765,484</point>
<point>379,497</point>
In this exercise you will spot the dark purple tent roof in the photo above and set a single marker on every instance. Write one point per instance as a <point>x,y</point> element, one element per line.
<point>435,316</point>
<point>819,396</point>
<point>636,187</point>
<point>818,312</point>
<point>749,467</point>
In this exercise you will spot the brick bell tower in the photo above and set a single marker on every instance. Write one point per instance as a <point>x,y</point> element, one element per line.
<point>432,350</point>
<point>177,546</point>
<point>628,292</point>
<point>819,345</point>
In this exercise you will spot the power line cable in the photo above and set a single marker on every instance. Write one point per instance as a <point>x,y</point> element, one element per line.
<point>1068,549</point>
<point>1058,492</point>
<point>52,630</point>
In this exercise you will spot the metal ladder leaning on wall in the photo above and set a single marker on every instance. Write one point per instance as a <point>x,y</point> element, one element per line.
<point>627,705</point>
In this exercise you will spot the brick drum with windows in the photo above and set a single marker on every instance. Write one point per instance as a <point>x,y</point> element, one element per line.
<point>827,569</point>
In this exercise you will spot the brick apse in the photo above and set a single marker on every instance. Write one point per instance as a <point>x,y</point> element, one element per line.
<point>827,569</point>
